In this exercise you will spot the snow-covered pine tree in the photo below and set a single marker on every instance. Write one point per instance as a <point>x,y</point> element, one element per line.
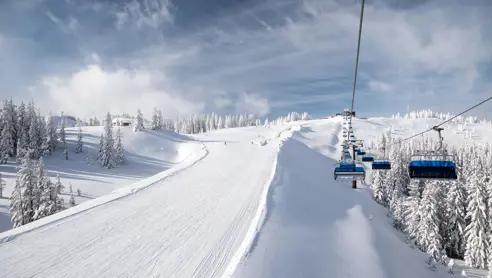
<point>65,152</point>
<point>71,201</point>
<point>101,147</point>
<point>455,215</point>
<point>155,119</point>
<point>34,147</point>
<point>431,240</point>
<point>107,156</point>
<point>23,197</point>
<point>378,187</point>
<point>78,146</point>
<point>58,185</point>
<point>119,148</point>
<point>44,206</point>
<point>2,185</point>
<point>6,144</point>
<point>138,125</point>
<point>476,231</point>
<point>51,137</point>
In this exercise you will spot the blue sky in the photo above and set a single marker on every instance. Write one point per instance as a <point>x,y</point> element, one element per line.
<point>266,57</point>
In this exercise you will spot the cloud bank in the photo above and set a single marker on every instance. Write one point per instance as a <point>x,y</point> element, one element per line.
<point>262,57</point>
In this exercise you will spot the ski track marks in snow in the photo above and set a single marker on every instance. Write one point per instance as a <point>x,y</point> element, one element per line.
<point>192,224</point>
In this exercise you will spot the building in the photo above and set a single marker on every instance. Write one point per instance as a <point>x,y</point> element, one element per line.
<point>346,113</point>
<point>122,121</point>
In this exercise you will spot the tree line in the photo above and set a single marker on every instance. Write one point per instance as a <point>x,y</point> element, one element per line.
<point>445,219</point>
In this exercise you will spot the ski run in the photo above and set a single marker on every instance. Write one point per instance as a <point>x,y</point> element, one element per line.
<point>257,201</point>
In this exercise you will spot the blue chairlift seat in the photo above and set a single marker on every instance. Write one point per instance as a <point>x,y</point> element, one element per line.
<point>361,153</point>
<point>381,165</point>
<point>349,170</point>
<point>367,158</point>
<point>432,169</point>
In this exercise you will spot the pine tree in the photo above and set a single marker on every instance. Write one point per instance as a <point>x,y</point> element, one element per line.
<point>78,146</point>
<point>155,119</point>
<point>476,230</point>
<point>101,147</point>
<point>6,144</point>
<point>34,147</point>
<point>65,152</point>
<point>2,185</point>
<point>431,240</point>
<point>107,155</point>
<point>44,206</point>
<point>455,210</point>
<point>378,188</point>
<point>138,124</point>
<point>58,185</point>
<point>119,149</point>
<point>23,198</point>
<point>51,137</point>
<point>71,201</point>
<point>160,120</point>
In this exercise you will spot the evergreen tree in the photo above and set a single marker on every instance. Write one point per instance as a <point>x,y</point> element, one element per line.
<point>51,137</point>
<point>107,155</point>
<point>476,230</point>
<point>155,119</point>
<point>78,146</point>
<point>58,185</point>
<point>2,185</point>
<point>44,206</point>
<point>119,149</point>
<point>431,240</point>
<point>101,147</point>
<point>65,152</point>
<point>139,120</point>
<point>23,198</point>
<point>455,209</point>
<point>71,201</point>
<point>6,144</point>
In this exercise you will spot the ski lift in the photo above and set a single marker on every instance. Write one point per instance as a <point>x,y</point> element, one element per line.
<point>361,153</point>
<point>381,164</point>
<point>367,158</point>
<point>349,170</point>
<point>431,168</point>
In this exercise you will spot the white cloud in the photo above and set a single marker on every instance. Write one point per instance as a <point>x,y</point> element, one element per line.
<point>378,86</point>
<point>92,90</point>
<point>68,25</point>
<point>252,104</point>
<point>146,13</point>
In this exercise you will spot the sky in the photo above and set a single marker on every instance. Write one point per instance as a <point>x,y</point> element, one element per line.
<point>265,57</point>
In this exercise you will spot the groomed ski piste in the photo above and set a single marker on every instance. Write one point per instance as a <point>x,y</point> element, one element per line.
<point>246,202</point>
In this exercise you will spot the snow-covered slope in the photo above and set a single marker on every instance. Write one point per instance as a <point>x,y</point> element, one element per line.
<point>237,206</point>
<point>148,153</point>
<point>189,224</point>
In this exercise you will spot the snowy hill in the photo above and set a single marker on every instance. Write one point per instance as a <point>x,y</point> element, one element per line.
<point>148,153</point>
<point>243,202</point>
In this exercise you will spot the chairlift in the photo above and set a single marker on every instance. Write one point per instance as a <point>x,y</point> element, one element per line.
<point>361,153</point>
<point>349,170</point>
<point>381,164</point>
<point>429,168</point>
<point>367,158</point>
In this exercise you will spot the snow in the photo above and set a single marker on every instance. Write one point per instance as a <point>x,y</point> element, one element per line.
<point>239,202</point>
<point>189,224</point>
<point>147,152</point>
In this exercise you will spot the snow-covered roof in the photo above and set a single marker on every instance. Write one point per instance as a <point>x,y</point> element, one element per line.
<point>122,120</point>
